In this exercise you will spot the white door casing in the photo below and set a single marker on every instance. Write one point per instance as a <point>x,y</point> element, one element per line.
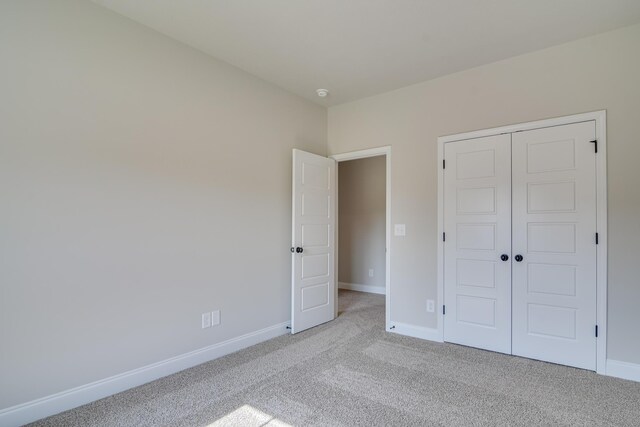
<point>477,213</point>
<point>313,246</point>
<point>554,231</point>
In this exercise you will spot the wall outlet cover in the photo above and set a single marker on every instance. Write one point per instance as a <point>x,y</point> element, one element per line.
<point>206,320</point>
<point>431,306</point>
<point>399,230</point>
<point>371,272</point>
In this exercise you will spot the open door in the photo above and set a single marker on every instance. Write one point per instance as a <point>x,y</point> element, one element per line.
<point>312,241</point>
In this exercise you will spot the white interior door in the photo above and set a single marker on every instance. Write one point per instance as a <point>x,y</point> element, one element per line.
<point>313,270</point>
<point>477,212</point>
<point>554,244</point>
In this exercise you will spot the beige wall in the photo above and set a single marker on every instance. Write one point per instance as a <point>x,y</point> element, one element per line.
<point>362,221</point>
<point>139,178</point>
<point>596,73</point>
<point>142,184</point>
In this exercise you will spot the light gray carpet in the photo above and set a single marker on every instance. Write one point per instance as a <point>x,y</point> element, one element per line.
<point>351,372</point>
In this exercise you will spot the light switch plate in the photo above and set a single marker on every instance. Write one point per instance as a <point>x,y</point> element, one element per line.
<point>399,230</point>
<point>215,317</point>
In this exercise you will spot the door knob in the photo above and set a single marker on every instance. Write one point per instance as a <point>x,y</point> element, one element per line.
<point>504,257</point>
<point>519,258</point>
<point>299,250</point>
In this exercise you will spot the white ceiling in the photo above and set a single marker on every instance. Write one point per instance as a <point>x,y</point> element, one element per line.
<point>359,48</point>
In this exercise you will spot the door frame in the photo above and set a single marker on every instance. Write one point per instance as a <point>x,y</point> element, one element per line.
<point>600,119</point>
<point>363,154</point>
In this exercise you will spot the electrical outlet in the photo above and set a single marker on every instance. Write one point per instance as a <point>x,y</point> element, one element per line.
<point>215,317</point>
<point>206,320</point>
<point>431,306</point>
<point>399,230</point>
<point>371,272</point>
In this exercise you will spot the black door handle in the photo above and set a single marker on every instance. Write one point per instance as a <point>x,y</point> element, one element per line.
<point>299,250</point>
<point>504,257</point>
<point>519,258</point>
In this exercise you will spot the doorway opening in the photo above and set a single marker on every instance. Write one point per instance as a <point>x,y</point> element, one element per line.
<point>363,250</point>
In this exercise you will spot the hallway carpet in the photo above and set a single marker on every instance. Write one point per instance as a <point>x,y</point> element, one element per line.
<point>351,372</point>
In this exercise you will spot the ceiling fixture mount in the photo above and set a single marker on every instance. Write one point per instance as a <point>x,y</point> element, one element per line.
<point>322,93</point>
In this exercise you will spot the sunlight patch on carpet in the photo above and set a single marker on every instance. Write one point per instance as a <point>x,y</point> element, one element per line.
<point>248,416</point>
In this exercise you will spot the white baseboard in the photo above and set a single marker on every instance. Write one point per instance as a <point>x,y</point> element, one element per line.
<point>421,332</point>
<point>625,370</point>
<point>362,288</point>
<point>40,408</point>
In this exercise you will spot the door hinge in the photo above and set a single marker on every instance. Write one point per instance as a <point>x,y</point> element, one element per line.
<point>443,164</point>
<point>595,141</point>
<point>596,238</point>
<point>444,237</point>
<point>596,331</point>
<point>444,310</point>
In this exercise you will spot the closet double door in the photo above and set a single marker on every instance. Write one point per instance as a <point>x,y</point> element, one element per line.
<point>519,250</point>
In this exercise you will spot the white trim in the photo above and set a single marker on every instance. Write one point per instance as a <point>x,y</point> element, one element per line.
<point>625,370</point>
<point>602,248</point>
<point>53,404</point>
<point>362,288</point>
<point>363,154</point>
<point>519,127</point>
<point>440,255</point>
<point>430,334</point>
<point>600,118</point>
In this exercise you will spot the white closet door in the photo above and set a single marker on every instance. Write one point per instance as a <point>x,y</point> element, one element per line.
<point>554,226</point>
<point>477,185</point>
